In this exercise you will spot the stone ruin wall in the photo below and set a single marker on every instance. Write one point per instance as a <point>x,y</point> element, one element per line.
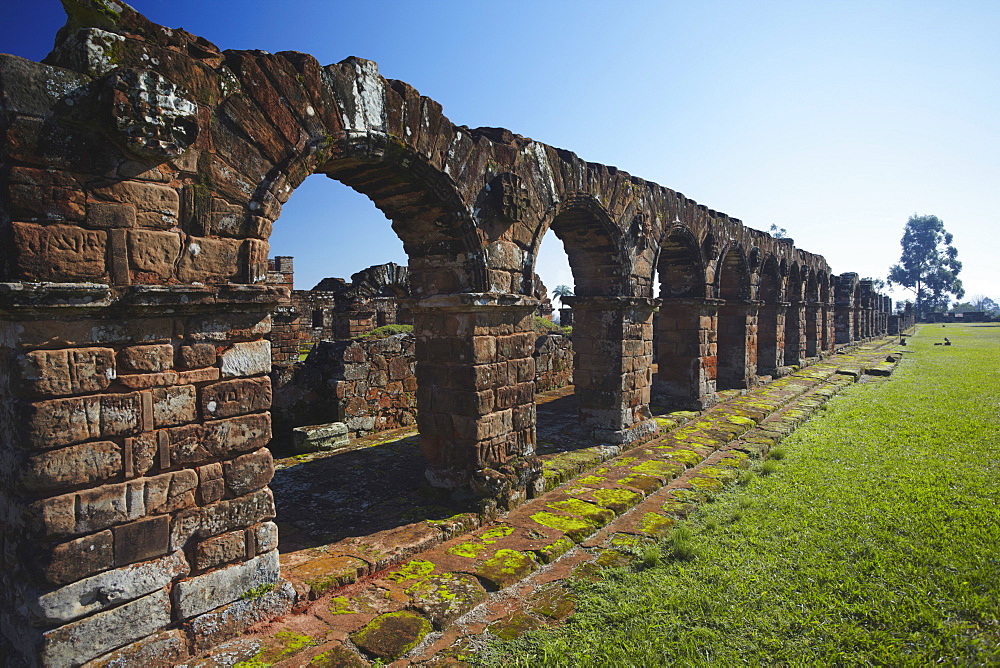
<point>141,171</point>
<point>553,362</point>
<point>370,385</point>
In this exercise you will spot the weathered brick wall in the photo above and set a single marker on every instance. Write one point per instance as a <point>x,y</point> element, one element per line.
<point>370,384</point>
<point>135,475</point>
<point>286,337</point>
<point>553,362</point>
<point>373,381</point>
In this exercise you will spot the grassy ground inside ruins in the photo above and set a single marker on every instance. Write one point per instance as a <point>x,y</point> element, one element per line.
<point>872,538</point>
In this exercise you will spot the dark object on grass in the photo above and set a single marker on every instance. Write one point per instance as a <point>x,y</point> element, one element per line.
<point>946,341</point>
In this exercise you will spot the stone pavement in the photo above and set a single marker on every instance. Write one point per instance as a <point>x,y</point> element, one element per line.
<point>431,583</point>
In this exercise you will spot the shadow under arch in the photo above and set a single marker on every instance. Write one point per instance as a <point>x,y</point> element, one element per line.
<point>611,328</point>
<point>593,244</point>
<point>771,317</point>
<point>680,266</point>
<point>737,356</point>
<point>685,336</point>
<point>794,349</point>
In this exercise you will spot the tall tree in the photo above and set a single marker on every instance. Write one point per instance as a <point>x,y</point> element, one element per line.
<point>929,264</point>
<point>562,291</point>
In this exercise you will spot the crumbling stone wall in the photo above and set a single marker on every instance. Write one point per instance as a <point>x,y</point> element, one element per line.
<point>553,362</point>
<point>135,468</point>
<point>141,172</point>
<point>368,384</point>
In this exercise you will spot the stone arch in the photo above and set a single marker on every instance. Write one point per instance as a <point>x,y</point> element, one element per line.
<point>732,280</point>
<point>794,284</point>
<point>593,244</point>
<point>770,318</point>
<point>769,284</point>
<point>426,210</point>
<point>143,169</point>
<point>680,266</point>
<point>813,280</point>
<point>737,343</point>
<point>795,326</point>
<point>857,308</point>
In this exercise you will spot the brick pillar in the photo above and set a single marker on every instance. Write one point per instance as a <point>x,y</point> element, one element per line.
<point>829,327</point>
<point>737,346</point>
<point>795,334</point>
<point>285,335</point>
<point>135,467</point>
<point>770,338</point>
<point>844,322</point>
<point>476,392</point>
<point>612,366</point>
<point>687,331</point>
<point>814,329</point>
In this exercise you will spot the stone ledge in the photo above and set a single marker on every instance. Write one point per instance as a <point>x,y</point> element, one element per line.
<point>27,298</point>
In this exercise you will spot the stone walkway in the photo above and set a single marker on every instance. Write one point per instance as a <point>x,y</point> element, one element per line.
<point>431,582</point>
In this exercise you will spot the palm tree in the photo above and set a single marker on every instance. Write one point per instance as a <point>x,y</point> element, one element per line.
<point>562,291</point>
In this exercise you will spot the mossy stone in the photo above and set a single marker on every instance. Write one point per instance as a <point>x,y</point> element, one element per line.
<point>443,598</point>
<point>411,570</point>
<point>654,525</point>
<point>665,470</point>
<point>392,635</point>
<point>515,626</point>
<point>596,514</point>
<point>555,602</point>
<point>553,551</point>
<point>506,567</point>
<point>338,657</point>
<point>574,527</point>
<point>618,500</point>
<point>646,484</point>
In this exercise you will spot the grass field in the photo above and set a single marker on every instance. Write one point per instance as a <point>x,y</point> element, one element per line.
<point>874,538</point>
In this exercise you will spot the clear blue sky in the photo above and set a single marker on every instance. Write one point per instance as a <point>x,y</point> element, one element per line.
<point>835,120</point>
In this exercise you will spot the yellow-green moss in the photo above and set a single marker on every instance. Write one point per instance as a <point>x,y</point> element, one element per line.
<point>584,509</point>
<point>469,549</point>
<point>658,468</point>
<point>654,525</point>
<point>411,570</point>
<point>496,533</point>
<point>590,480</point>
<point>617,499</point>
<point>574,527</point>
<point>686,457</point>
<point>340,605</point>
<point>551,552</point>
<point>706,483</point>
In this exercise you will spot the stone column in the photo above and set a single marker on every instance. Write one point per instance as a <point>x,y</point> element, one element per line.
<point>844,322</point>
<point>476,392</point>
<point>737,345</point>
<point>795,334</point>
<point>829,327</point>
<point>813,329</point>
<point>686,362</point>
<point>770,338</point>
<point>135,478</point>
<point>612,372</point>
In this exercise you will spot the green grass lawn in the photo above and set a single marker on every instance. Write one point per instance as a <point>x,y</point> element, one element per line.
<point>875,540</point>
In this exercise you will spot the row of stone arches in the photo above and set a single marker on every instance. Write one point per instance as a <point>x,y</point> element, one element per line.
<point>143,170</point>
